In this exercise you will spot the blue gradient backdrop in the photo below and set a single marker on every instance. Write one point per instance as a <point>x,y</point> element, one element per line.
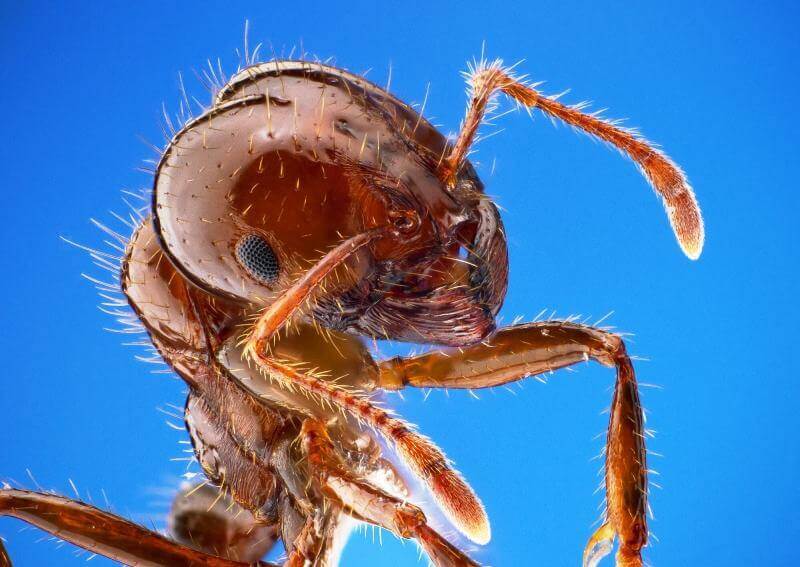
<point>714,82</point>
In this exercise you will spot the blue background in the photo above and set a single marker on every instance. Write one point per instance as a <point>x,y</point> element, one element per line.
<point>714,82</point>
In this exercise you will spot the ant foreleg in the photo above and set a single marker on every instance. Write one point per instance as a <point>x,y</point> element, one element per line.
<point>526,350</point>
<point>369,503</point>
<point>101,532</point>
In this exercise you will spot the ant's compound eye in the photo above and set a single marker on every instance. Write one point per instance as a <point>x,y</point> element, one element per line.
<point>258,258</point>
<point>404,221</point>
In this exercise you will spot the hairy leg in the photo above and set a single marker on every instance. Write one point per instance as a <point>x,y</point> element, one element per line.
<point>519,351</point>
<point>369,503</point>
<point>315,543</point>
<point>101,532</point>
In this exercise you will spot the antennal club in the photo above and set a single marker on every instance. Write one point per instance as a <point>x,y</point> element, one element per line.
<point>486,79</point>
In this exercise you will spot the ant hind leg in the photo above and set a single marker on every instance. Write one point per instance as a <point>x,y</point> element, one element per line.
<point>101,532</point>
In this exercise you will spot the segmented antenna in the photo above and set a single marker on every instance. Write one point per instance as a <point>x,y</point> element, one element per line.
<point>485,79</point>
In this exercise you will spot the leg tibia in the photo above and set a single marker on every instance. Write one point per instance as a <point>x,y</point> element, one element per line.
<point>101,532</point>
<point>626,470</point>
<point>369,503</point>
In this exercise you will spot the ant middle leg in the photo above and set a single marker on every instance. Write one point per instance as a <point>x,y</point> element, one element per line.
<point>368,503</point>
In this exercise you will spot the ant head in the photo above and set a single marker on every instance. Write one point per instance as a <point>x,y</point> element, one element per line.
<point>440,272</point>
<point>294,157</point>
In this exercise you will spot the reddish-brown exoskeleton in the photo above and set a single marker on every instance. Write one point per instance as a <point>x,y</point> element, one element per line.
<point>304,210</point>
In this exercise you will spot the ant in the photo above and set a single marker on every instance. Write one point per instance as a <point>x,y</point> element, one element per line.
<point>305,210</point>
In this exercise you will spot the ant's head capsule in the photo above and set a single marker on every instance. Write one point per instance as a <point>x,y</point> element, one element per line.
<point>294,157</point>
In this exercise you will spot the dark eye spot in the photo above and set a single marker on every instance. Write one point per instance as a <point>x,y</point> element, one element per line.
<point>404,221</point>
<point>258,258</point>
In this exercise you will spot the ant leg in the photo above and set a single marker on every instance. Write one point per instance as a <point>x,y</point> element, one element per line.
<point>315,542</point>
<point>456,498</point>
<point>203,519</point>
<point>5,560</point>
<point>369,503</point>
<point>526,350</point>
<point>306,547</point>
<point>101,532</point>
